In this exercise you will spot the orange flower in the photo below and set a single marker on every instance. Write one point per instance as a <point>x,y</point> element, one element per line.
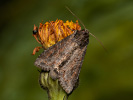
<point>53,31</point>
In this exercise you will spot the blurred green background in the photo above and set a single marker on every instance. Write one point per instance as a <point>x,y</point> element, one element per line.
<point>104,75</point>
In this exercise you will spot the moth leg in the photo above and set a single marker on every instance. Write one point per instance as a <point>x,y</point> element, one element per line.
<point>36,49</point>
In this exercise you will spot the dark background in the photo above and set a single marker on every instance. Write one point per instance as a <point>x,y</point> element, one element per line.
<point>104,75</point>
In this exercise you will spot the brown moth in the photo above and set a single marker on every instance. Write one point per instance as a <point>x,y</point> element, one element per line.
<point>64,59</point>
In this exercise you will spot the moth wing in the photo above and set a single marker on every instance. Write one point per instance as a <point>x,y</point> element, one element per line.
<point>65,58</point>
<point>69,72</point>
<point>54,55</point>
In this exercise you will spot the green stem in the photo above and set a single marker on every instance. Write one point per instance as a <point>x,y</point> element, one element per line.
<point>55,91</point>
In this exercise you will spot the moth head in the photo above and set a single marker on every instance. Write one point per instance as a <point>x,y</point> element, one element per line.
<point>81,37</point>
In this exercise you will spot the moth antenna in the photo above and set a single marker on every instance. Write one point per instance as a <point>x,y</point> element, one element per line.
<point>85,28</point>
<point>98,41</point>
<point>76,17</point>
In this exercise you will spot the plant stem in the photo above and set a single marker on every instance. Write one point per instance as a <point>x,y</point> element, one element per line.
<point>54,90</point>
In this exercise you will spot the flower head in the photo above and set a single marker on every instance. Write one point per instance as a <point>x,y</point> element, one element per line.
<point>53,31</point>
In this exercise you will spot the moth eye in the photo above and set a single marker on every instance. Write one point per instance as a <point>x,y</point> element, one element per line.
<point>35,31</point>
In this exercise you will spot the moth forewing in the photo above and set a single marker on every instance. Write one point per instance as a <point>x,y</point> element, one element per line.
<point>65,59</point>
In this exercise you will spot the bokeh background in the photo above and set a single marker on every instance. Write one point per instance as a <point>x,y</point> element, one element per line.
<point>104,75</point>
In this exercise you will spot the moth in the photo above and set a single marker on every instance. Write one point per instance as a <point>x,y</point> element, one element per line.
<point>64,59</point>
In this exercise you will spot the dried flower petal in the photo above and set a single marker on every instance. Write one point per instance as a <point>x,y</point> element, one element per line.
<point>53,31</point>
